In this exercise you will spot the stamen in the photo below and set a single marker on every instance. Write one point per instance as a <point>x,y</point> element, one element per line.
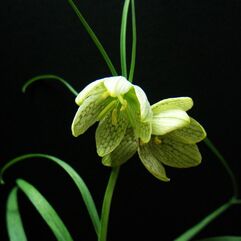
<point>121,99</point>
<point>141,142</point>
<point>123,102</point>
<point>106,109</point>
<point>114,117</point>
<point>157,140</point>
<point>104,95</point>
<point>124,105</point>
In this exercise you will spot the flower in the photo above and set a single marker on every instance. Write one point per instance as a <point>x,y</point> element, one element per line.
<point>116,104</point>
<point>172,143</point>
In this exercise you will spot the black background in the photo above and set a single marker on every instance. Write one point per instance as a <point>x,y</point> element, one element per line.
<point>185,48</point>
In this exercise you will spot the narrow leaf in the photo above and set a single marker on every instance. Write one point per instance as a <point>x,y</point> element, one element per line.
<point>14,222</point>
<point>190,233</point>
<point>49,76</point>
<point>123,38</point>
<point>47,212</point>
<point>88,200</point>
<point>93,37</point>
<point>229,171</point>
<point>133,51</point>
<point>222,238</point>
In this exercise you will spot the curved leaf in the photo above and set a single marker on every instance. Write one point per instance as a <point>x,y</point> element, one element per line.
<point>88,200</point>
<point>190,233</point>
<point>222,238</point>
<point>133,51</point>
<point>46,211</point>
<point>225,164</point>
<point>123,37</point>
<point>13,218</point>
<point>49,76</point>
<point>93,37</point>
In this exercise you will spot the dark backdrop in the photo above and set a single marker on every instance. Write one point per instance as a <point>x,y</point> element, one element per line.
<point>185,48</point>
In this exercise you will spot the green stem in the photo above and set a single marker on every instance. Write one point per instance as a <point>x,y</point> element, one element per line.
<point>133,52</point>
<point>49,76</point>
<point>107,203</point>
<point>225,164</point>
<point>94,38</point>
<point>123,38</point>
<point>203,223</point>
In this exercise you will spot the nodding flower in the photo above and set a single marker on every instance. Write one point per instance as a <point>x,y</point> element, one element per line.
<point>172,143</point>
<point>116,104</point>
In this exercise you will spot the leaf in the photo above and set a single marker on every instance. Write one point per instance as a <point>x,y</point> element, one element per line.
<point>190,233</point>
<point>85,193</point>
<point>225,164</point>
<point>93,37</point>
<point>14,222</point>
<point>49,76</point>
<point>222,238</point>
<point>123,37</point>
<point>46,211</point>
<point>133,51</point>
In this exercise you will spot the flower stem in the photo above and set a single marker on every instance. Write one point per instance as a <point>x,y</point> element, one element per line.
<point>107,203</point>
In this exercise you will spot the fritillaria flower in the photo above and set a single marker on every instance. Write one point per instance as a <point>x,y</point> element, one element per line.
<point>172,143</point>
<point>116,104</point>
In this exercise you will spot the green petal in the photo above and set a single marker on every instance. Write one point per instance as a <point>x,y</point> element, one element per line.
<point>181,103</point>
<point>110,132</point>
<point>133,107</point>
<point>93,88</point>
<point>175,154</point>
<point>141,128</point>
<point>123,152</point>
<point>190,134</point>
<point>169,120</point>
<point>151,163</point>
<point>146,112</point>
<point>117,85</point>
<point>143,131</point>
<point>88,113</point>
